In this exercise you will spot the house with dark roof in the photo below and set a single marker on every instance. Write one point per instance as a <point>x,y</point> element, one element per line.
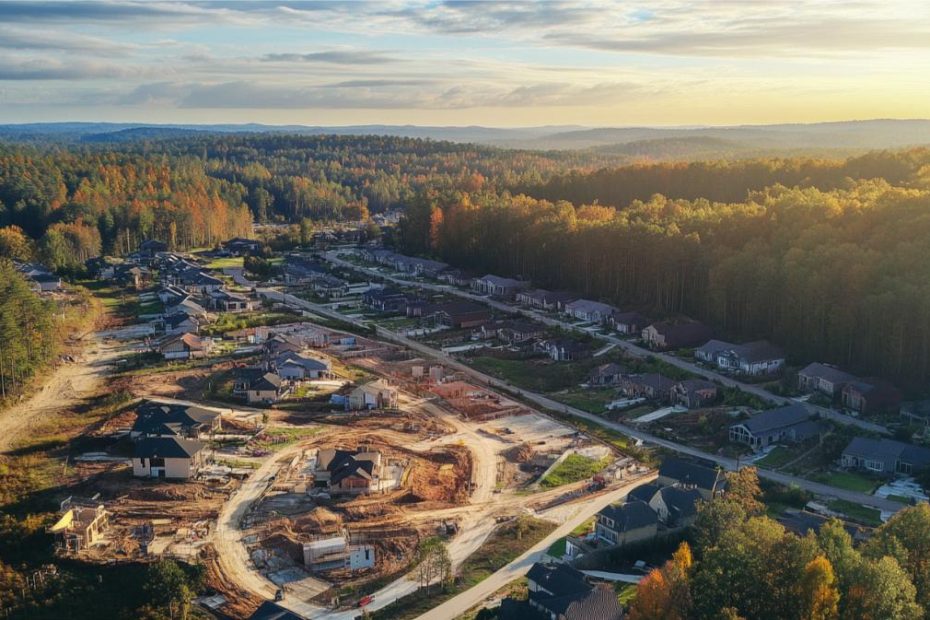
<point>628,323</point>
<point>787,424</point>
<point>753,358</point>
<point>870,395</point>
<point>386,299</point>
<point>667,335</point>
<point>159,419</point>
<point>177,323</point>
<point>567,349</point>
<point>649,385</point>
<point>542,299</point>
<point>704,476</point>
<point>151,247</point>
<point>459,314</point>
<point>676,507</point>
<point>606,375</point>
<point>693,393</point>
<point>560,592</point>
<point>823,378</point>
<point>513,331</point>
<point>885,457</point>
<point>196,281</point>
<point>348,471</point>
<point>295,367</point>
<point>183,346</point>
<point>590,311</point>
<point>171,295</point>
<point>242,247</point>
<point>268,388</point>
<point>621,524</point>
<point>166,457</point>
<point>269,610</point>
<point>230,301</point>
<point>496,286</point>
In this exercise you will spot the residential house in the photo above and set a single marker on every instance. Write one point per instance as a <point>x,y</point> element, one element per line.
<point>621,524</point>
<point>171,295</point>
<point>299,270</point>
<point>542,299</point>
<point>177,323</point>
<point>329,286</point>
<point>229,301</point>
<point>589,311</point>
<point>753,358</point>
<point>196,281</point>
<point>606,375</point>
<point>675,335</point>
<point>295,367</point>
<point>567,350</point>
<point>456,277</point>
<point>496,286</point>
<point>188,307</point>
<point>916,412</point>
<point>460,314</point>
<point>184,346</point>
<point>167,457</point>
<point>676,507</point>
<point>130,275</point>
<point>151,247</point>
<point>46,282</point>
<point>628,323</point>
<point>516,331</point>
<point>268,388</point>
<point>377,394</point>
<point>280,343</point>
<point>693,393</point>
<point>823,378</point>
<point>870,395</point>
<point>243,378</point>
<point>269,610</point>
<point>347,471</point>
<point>885,457</point>
<point>788,424</point>
<point>419,266</point>
<point>560,592</point>
<point>81,524</point>
<point>335,553</point>
<point>390,300</point>
<point>159,419</point>
<point>650,385</point>
<point>704,476</point>
<point>242,247</point>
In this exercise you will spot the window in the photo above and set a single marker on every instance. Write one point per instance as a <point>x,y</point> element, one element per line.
<point>873,465</point>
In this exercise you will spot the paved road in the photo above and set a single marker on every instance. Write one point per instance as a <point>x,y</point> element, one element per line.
<point>548,403</point>
<point>461,603</point>
<point>627,346</point>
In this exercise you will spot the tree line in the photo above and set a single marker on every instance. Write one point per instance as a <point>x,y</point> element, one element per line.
<point>744,564</point>
<point>834,275</point>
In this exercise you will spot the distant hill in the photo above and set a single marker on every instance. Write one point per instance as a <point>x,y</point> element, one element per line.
<point>633,142</point>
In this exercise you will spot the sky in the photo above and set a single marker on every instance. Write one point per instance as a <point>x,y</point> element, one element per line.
<point>499,64</point>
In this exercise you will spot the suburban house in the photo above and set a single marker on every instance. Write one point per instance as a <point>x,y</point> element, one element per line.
<point>788,424</point>
<point>177,323</point>
<point>196,281</point>
<point>295,367</point>
<point>269,610</point>
<point>545,300</point>
<point>188,307</point>
<point>167,457</point>
<point>823,378</point>
<point>886,457</point>
<point>513,331</point>
<point>81,524</point>
<point>456,277</point>
<point>460,314</point>
<point>46,282</point>
<point>621,524</point>
<point>348,471</point>
<point>377,394</point>
<point>151,247</point>
<point>606,375</point>
<point>184,346</point>
<point>496,286</point>
<point>869,396</point>
<point>560,592</point>
<point>419,266</point>
<point>628,323</point>
<point>267,388</point>
<point>171,295</point>
<point>229,301</point>
<point>753,358</point>
<point>693,393</point>
<point>336,553</point>
<point>676,507</point>
<point>158,419</point>
<point>329,286</point>
<point>650,385</point>
<point>242,247</point>
<point>706,477</point>
<point>590,311</point>
<point>566,349</point>
<point>916,412</point>
<point>385,300</point>
<point>282,343</point>
<point>673,335</point>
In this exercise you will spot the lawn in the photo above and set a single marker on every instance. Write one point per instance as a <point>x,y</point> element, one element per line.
<point>847,480</point>
<point>626,592</point>
<point>587,399</point>
<point>533,374</point>
<point>857,512</point>
<point>557,550</point>
<point>574,468</point>
<point>777,457</point>
<point>223,263</point>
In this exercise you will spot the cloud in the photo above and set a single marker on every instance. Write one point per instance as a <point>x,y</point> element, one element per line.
<point>22,39</point>
<point>336,57</point>
<point>12,69</point>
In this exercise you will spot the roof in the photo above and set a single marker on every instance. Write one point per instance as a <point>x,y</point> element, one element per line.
<point>375,386</point>
<point>600,603</point>
<point>629,318</point>
<point>268,381</point>
<point>176,318</point>
<point>759,351</point>
<point>167,448</point>
<point>781,417</point>
<point>644,492</point>
<point>631,515</point>
<point>689,331</point>
<point>652,380</point>
<point>681,503</point>
<point>587,305</point>
<point>310,363</point>
<point>502,282</point>
<point>269,610</point>
<point>570,345</point>
<point>825,371</point>
<point>458,308</point>
<point>549,296</point>
<point>693,385</point>
<point>712,347</point>
<point>887,450</point>
<point>345,464</point>
<point>691,472</point>
<point>155,416</point>
<point>607,370</point>
<point>191,341</point>
<point>558,579</point>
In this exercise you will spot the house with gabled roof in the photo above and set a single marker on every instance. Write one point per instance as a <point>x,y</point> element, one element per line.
<point>628,323</point>
<point>295,367</point>
<point>560,592</point>
<point>184,346</point>
<point>704,476</point>
<point>693,393</point>
<point>870,395</point>
<point>649,385</point>
<point>667,335</point>
<point>823,378</point>
<point>590,311</point>
<point>377,394</point>
<point>542,299</point>
<point>167,457</point>
<point>753,358</point>
<point>267,388</point>
<point>885,457</point>
<point>348,471</point>
<point>160,419</point>
<point>606,375</point>
<point>496,286</point>
<point>787,424</point>
<point>621,524</point>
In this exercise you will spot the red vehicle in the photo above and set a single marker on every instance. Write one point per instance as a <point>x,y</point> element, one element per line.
<point>365,600</point>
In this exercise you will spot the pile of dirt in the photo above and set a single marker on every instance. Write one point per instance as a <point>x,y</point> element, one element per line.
<point>286,545</point>
<point>168,493</point>
<point>239,603</point>
<point>319,520</point>
<point>519,454</point>
<point>444,477</point>
<point>368,511</point>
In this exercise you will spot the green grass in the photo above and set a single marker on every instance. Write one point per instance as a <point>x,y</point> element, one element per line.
<point>557,550</point>
<point>282,437</point>
<point>626,592</point>
<point>587,399</point>
<point>575,467</point>
<point>223,263</point>
<point>901,499</point>
<point>857,512</point>
<point>533,374</point>
<point>848,480</point>
<point>777,457</point>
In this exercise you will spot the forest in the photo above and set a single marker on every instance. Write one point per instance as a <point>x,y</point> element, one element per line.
<point>835,271</point>
<point>743,564</point>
